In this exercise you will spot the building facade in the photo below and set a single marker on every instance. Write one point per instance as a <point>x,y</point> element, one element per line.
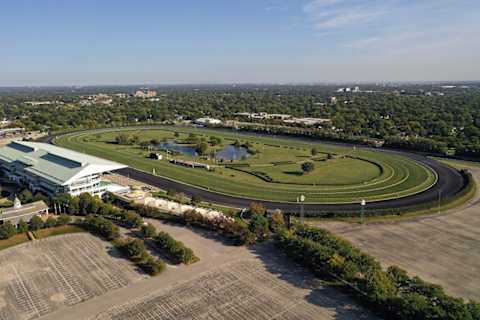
<point>52,170</point>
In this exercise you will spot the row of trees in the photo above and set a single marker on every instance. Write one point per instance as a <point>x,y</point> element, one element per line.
<point>391,292</point>
<point>8,230</point>
<point>231,228</point>
<point>134,249</point>
<point>174,248</point>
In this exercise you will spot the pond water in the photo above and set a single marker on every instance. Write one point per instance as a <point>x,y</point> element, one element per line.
<point>228,153</point>
<point>185,150</point>
<point>231,152</point>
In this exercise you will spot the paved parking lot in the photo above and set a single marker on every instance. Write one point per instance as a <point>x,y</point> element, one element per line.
<point>40,277</point>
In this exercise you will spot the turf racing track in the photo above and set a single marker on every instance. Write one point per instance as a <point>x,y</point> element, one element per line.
<point>449,183</point>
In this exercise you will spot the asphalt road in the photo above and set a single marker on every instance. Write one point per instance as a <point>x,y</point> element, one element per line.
<point>449,183</point>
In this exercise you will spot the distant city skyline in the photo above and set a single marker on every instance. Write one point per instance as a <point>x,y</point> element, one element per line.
<point>68,43</point>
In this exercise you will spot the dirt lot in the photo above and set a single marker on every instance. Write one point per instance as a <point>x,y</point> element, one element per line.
<point>228,282</point>
<point>43,276</point>
<point>442,249</point>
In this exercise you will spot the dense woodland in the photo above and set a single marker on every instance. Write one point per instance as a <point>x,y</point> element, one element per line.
<point>404,116</point>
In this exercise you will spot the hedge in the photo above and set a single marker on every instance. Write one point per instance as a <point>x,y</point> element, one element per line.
<point>392,293</point>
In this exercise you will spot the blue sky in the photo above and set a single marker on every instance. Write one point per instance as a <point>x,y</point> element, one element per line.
<point>47,42</point>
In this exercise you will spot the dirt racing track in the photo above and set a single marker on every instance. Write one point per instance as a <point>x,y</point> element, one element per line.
<point>449,183</point>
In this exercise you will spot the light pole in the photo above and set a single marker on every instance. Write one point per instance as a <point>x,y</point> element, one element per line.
<point>439,199</point>
<point>362,211</point>
<point>301,199</point>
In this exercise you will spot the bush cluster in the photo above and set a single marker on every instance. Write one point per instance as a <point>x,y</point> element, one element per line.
<point>102,227</point>
<point>175,249</point>
<point>136,252</point>
<point>232,229</point>
<point>391,292</point>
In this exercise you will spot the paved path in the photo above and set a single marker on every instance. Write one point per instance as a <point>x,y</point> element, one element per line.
<point>442,249</point>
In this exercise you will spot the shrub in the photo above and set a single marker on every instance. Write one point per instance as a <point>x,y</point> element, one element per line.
<point>102,227</point>
<point>152,266</point>
<point>36,223</point>
<point>308,167</point>
<point>7,230</point>
<point>175,249</point>
<point>259,226</point>
<point>196,199</point>
<point>63,220</point>
<point>50,223</point>
<point>148,231</point>
<point>22,226</point>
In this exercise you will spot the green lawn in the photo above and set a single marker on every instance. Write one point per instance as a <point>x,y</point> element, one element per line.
<point>350,176</point>
<point>57,231</point>
<point>13,241</point>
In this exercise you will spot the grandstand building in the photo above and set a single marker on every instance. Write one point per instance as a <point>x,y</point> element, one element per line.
<point>52,170</point>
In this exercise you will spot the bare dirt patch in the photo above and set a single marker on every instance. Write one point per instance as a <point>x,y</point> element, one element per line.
<point>43,276</point>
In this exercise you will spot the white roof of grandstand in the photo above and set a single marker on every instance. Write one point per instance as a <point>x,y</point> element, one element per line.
<point>58,165</point>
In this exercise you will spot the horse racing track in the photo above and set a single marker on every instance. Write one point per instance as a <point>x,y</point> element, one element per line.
<point>40,277</point>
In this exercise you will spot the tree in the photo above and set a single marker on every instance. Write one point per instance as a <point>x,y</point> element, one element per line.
<point>308,167</point>
<point>256,208</point>
<point>196,199</point>
<point>36,223</point>
<point>149,231</point>
<point>135,249</point>
<point>202,148</point>
<point>135,139</point>
<point>153,266</point>
<point>122,139</point>
<point>25,196</point>
<point>215,141</point>
<point>63,220</point>
<point>74,206</point>
<point>259,226</point>
<point>22,226</point>
<point>50,223</point>
<point>133,219</point>
<point>277,221</point>
<point>7,230</point>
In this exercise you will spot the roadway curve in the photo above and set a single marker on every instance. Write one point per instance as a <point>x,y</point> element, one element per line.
<point>449,183</point>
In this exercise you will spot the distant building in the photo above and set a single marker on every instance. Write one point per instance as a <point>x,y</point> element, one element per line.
<point>207,121</point>
<point>23,212</point>
<point>308,121</point>
<point>145,94</point>
<point>52,170</point>
<point>10,131</point>
<point>333,100</point>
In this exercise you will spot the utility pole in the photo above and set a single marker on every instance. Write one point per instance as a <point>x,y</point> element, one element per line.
<point>362,210</point>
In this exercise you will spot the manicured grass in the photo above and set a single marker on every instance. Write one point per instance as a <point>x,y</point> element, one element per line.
<point>350,176</point>
<point>458,164</point>
<point>13,241</point>
<point>56,231</point>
